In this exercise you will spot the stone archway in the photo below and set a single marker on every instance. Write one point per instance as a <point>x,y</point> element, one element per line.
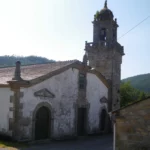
<point>42,121</point>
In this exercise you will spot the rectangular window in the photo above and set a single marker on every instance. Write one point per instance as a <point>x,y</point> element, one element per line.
<point>82,81</point>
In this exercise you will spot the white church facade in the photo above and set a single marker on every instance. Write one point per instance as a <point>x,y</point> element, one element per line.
<point>56,100</point>
<point>65,99</point>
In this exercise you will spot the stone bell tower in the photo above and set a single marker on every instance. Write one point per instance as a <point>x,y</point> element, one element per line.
<point>105,53</point>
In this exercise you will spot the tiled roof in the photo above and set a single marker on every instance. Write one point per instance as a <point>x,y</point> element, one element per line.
<point>32,71</point>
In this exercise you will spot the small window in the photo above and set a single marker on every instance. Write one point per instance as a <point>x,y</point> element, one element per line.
<point>82,81</point>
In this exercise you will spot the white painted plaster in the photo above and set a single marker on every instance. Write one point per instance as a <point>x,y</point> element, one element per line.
<point>65,88</point>
<point>95,91</point>
<point>5,94</point>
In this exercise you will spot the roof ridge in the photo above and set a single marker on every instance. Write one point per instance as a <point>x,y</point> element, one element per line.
<point>74,60</point>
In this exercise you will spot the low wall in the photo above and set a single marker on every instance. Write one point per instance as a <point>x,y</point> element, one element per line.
<point>133,127</point>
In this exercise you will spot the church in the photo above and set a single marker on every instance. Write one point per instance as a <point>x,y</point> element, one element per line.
<point>65,99</point>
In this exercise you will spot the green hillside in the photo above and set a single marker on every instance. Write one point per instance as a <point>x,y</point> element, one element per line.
<point>141,82</point>
<point>6,61</point>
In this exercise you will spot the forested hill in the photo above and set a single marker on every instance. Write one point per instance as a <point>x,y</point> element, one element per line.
<point>141,82</point>
<point>6,61</point>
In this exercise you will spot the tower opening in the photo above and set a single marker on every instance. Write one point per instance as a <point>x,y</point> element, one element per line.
<point>103,34</point>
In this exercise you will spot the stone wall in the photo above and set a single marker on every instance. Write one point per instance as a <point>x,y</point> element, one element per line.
<point>107,60</point>
<point>133,127</point>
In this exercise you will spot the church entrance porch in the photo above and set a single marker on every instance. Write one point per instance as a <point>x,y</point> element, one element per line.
<point>81,121</point>
<point>42,123</point>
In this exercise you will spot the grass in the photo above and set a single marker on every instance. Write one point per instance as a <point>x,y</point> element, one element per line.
<point>11,145</point>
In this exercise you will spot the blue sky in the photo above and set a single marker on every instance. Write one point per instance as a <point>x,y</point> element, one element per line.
<point>58,29</point>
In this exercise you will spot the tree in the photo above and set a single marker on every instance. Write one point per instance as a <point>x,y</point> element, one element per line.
<point>142,96</point>
<point>6,60</point>
<point>129,94</point>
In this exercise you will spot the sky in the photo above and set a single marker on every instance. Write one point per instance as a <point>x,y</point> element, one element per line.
<point>58,29</point>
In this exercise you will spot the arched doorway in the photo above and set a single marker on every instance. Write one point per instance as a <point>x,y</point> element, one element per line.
<point>42,123</point>
<point>103,120</point>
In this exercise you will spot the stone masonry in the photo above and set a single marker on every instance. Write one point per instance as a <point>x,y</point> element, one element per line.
<point>133,127</point>
<point>105,53</point>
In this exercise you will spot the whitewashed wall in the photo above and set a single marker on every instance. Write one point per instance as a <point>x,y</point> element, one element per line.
<point>5,114</point>
<point>65,88</point>
<point>95,91</point>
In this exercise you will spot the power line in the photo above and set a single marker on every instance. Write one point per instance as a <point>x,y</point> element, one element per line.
<point>134,27</point>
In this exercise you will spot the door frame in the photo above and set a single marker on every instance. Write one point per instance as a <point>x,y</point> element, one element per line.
<point>51,117</point>
<point>84,121</point>
<point>87,127</point>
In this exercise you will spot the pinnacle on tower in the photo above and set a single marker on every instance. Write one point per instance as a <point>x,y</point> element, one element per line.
<point>105,4</point>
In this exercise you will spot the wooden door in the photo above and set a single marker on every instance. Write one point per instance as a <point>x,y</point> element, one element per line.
<point>42,124</point>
